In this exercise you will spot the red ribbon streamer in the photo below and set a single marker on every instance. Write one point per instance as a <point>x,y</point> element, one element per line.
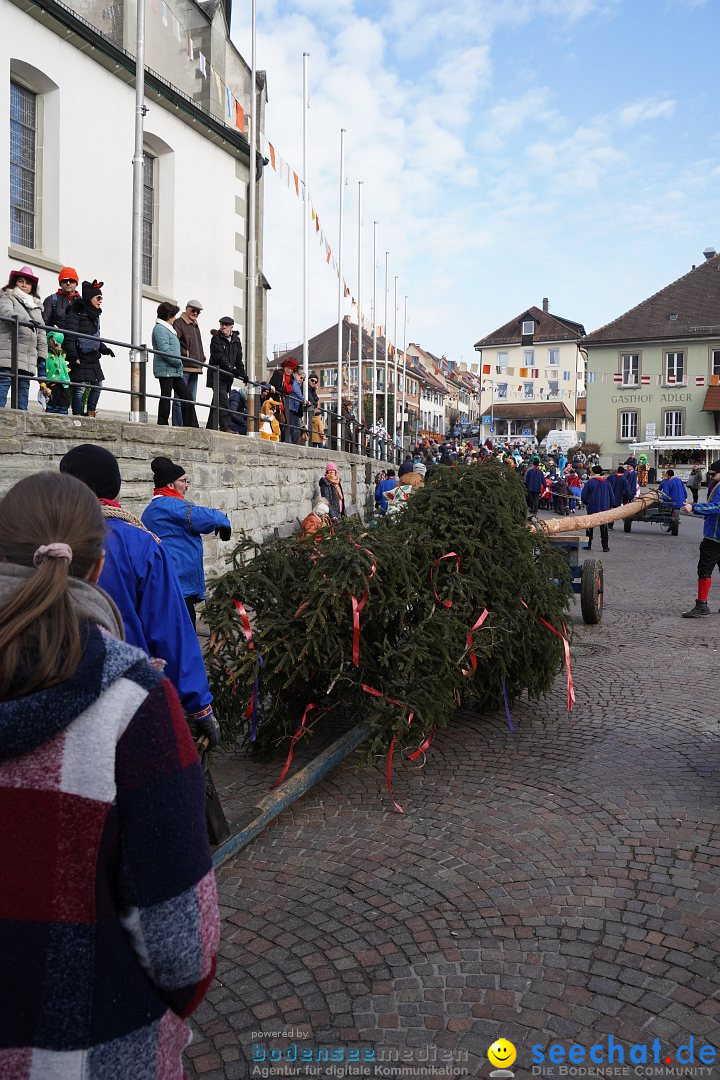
<point>391,751</point>
<point>450,555</point>
<point>358,605</point>
<point>422,747</point>
<point>296,736</point>
<point>245,623</point>
<point>566,650</point>
<point>469,641</point>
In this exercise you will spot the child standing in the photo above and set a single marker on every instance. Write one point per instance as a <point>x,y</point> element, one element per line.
<point>57,375</point>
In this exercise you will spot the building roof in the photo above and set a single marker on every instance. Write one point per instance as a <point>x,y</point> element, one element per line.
<point>548,327</point>
<point>322,348</point>
<point>712,400</point>
<point>694,299</point>
<point>533,410</point>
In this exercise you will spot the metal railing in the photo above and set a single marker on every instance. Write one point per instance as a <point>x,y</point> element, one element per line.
<point>341,432</point>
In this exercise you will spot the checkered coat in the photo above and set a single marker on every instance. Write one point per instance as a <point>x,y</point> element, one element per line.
<point>108,913</point>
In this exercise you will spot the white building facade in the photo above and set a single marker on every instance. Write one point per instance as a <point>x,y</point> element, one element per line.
<point>67,113</point>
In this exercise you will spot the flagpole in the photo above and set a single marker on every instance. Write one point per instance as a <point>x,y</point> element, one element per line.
<point>395,388</point>
<point>306,105</point>
<point>252,257</point>
<point>341,286</point>
<point>359,307</point>
<point>387,356</point>
<point>374,360</point>
<point>402,414</point>
<point>138,405</point>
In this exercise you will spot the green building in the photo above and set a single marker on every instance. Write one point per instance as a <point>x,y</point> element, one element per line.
<point>655,371</point>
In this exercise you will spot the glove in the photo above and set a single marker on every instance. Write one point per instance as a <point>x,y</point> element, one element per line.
<point>208,728</point>
<point>224,532</point>
<point>109,352</point>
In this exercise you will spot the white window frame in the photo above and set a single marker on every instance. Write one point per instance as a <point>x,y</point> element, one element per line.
<point>502,359</point>
<point>631,426</point>
<point>528,386</point>
<point>528,327</point>
<point>502,390</point>
<point>556,391</point>
<point>630,369</point>
<point>20,240</point>
<point>715,361</point>
<point>553,358</point>
<point>674,359</point>
<point>528,358</point>
<point>673,423</point>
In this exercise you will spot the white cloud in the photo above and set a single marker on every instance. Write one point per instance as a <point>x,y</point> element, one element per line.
<point>648,109</point>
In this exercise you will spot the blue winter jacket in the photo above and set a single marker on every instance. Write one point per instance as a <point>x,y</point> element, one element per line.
<point>385,485</point>
<point>140,577</point>
<point>675,491</point>
<point>620,487</point>
<point>180,525</point>
<point>534,479</point>
<point>597,495</point>
<point>710,510</point>
<point>165,340</point>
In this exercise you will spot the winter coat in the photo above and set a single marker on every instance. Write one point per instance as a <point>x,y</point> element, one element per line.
<point>534,479</point>
<point>318,431</point>
<point>139,575</point>
<point>56,368</point>
<point>165,340</point>
<point>84,359</point>
<point>597,495</point>
<point>32,344</point>
<point>332,494</point>
<point>191,346</point>
<point>313,399</point>
<point>384,486</point>
<point>710,511</point>
<point>695,479</point>
<point>619,484</point>
<point>180,525</point>
<point>226,353</point>
<point>109,920</point>
<point>296,403</point>
<point>55,308</point>
<point>675,491</point>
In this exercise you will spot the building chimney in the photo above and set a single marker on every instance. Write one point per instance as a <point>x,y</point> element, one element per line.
<point>546,304</point>
<point>709,252</point>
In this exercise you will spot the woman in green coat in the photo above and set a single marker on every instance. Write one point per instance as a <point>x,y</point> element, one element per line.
<point>168,367</point>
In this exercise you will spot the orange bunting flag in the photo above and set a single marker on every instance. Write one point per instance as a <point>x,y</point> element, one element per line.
<point>347,291</point>
<point>295,178</point>
<point>317,223</point>
<point>239,117</point>
<point>523,372</point>
<point>271,148</point>
<point>329,253</point>
<point>486,369</point>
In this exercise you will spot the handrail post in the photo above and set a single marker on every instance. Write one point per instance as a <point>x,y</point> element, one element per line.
<point>138,385</point>
<point>14,360</point>
<point>216,396</point>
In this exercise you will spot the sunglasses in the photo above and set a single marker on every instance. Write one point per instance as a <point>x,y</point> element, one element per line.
<point>68,281</point>
<point>194,310</point>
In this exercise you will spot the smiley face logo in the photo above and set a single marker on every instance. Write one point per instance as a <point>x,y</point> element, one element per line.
<point>501,1054</point>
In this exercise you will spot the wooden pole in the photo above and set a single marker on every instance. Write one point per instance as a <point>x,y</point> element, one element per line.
<point>591,521</point>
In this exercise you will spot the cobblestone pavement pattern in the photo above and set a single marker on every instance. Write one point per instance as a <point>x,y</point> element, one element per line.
<point>558,884</point>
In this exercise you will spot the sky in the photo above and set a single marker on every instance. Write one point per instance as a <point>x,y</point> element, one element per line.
<point>509,150</point>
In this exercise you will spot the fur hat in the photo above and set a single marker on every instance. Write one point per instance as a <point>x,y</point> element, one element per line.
<point>290,362</point>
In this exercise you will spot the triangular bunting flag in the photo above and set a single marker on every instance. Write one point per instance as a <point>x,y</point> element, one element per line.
<point>239,117</point>
<point>297,188</point>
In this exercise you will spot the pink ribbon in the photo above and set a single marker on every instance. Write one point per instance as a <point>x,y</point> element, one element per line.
<point>358,605</point>
<point>450,555</point>
<point>469,641</point>
<point>245,623</point>
<point>566,651</point>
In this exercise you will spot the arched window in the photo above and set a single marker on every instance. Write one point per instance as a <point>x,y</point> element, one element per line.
<point>158,214</point>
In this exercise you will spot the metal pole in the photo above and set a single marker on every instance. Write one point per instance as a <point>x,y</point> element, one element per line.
<point>374,362</point>
<point>306,103</point>
<point>395,387</point>
<point>386,418</point>
<point>138,413</point>
<point>402,414</point>
<point>252,196</point>
<point>341,287</point>
<point>359,310</point>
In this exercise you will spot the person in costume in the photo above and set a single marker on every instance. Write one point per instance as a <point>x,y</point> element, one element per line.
<point>710,544</point>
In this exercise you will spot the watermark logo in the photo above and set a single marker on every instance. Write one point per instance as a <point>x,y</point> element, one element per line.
<point>502,1054</point>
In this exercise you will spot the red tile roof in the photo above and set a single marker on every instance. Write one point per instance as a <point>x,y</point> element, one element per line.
<point>533,410</point>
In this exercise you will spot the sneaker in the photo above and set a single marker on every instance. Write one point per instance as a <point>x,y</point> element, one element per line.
<point>700,608</point>
<point>606,549</point>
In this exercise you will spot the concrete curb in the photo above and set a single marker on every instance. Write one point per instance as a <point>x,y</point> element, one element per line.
<point>293,789</point>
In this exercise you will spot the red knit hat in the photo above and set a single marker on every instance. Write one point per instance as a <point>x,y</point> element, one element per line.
<point>68,272</point>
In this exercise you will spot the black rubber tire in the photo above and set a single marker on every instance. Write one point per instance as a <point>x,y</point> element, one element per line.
<point>591,591</point>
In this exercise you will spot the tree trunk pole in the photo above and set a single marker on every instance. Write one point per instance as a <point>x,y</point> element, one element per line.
<point>591,521</point>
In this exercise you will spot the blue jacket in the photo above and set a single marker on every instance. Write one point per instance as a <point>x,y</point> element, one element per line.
<point>166,340</point>
<point>296,403</point>
<point>710,510</point>
<point>180,525</point>
<point>675,491</point>
<point>620,488</point>
<point>140,577</point>
<point>385,485</point>
<point>534,479</point>
<point>598,495</point>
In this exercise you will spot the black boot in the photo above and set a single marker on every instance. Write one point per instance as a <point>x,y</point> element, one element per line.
<point>700,608</point>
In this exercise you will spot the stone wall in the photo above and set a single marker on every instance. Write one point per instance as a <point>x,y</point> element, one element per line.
<point>258,484</point>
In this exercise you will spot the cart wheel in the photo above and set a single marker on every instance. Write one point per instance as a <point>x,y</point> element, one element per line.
<point>591,591</point>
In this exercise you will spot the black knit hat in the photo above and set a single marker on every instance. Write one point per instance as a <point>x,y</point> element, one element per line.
<point>96,467</point>
<point>165,471</point>
<point>715,467</point>
<point>91,288</point>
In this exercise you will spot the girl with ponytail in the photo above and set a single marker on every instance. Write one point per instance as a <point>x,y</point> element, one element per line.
<point>102,804</point>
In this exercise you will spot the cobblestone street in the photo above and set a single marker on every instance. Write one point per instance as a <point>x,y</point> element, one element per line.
<point>559,884</point>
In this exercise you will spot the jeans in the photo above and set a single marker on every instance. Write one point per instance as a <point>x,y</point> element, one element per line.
<point>191,378</point>
<point>178,386</point>
<point>23,392</point>
<point>77,399</point>
<point>293,426</point>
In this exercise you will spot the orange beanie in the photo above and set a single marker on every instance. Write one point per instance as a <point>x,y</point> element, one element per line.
<point>68,272</point>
